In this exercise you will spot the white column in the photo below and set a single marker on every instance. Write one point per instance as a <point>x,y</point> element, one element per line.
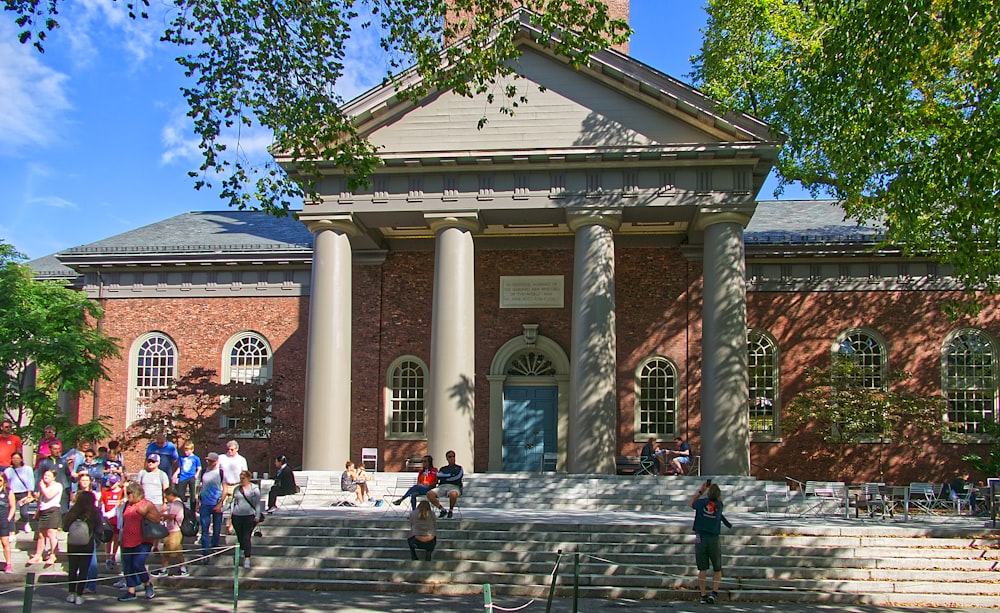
<point>326,425</point>
<point>725,428</point>
<point>452,385</point>
<point>593,402</point>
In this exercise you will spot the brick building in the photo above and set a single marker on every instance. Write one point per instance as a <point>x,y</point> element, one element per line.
<point>570,280</point>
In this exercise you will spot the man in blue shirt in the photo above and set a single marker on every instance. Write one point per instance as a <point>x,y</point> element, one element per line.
<point>167,452</point>
<point>708,520</point>
<point>681,455</point>
<point>210,500</point>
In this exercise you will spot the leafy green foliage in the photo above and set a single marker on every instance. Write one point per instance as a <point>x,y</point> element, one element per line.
<point>48,342</point>
<point>836,401</point>
<point>276,64</point>
<point>990,436</point>
<point>192,409</point>
<point>891,105</point>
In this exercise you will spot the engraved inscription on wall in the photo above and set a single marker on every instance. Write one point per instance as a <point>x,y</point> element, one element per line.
<point>532,292</point>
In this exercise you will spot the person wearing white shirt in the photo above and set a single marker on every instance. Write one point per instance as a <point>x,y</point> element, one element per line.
<point>231,465</point>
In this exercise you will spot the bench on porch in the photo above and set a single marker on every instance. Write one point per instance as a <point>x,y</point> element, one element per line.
<point>627,464</point>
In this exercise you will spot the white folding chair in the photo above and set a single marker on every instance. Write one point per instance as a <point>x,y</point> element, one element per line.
<point>370,455</point>
<point>293,502</point>
<point>340,496</point>
<point>923,497</point>
<point>549,461</point>
<point>396,491</point>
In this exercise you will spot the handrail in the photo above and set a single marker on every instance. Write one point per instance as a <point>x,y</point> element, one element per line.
<point>800,484</point>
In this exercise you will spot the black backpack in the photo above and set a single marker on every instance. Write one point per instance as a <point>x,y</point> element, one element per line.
<point>190,523</point>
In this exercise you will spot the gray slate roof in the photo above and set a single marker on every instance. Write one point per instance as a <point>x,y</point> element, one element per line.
<point>797,222</point>
<point>207,231</point>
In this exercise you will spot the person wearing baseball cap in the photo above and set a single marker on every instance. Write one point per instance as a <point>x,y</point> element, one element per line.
<point>210,499</point>
<point>153,480</point>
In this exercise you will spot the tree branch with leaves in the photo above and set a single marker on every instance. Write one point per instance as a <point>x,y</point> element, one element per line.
<point>276,64</point>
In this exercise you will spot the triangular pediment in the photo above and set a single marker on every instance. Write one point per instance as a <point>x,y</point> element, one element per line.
<point>615,102</point>
<point>565,108</point>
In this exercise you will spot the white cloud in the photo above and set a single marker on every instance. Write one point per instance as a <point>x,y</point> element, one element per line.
<point>106,22</point>
<point>54,202</point>
<point>34,96</point>
<point>181,144</point>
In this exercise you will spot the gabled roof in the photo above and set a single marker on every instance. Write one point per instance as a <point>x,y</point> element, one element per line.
<point>792,222</point>
<point>615,70</point>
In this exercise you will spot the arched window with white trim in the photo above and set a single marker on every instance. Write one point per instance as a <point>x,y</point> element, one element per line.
<point>246,358</point>
<point>406,391</point>
<point>866,350</point>
<point>656,399</point>
<point>969,380</point>
<point>762,367</point>
<point>152,369</point>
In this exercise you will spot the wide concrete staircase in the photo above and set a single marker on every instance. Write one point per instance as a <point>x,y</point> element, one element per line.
<point>632,538</point>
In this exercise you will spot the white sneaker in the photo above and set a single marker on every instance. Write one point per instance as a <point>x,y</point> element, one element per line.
<point>71,598</point>
<point>79,600</point>
<point>246,562</point>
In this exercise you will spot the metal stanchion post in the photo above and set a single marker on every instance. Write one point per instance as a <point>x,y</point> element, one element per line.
<point>29,592</point>
<point>552,587</point>
<point>236,576</point>
<point>576,582</point>
<point>487,597</point>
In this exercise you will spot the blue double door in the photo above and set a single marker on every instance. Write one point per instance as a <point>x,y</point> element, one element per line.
<point>529,426</point>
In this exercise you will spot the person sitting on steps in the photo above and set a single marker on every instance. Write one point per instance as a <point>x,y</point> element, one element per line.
<point>423,531</point>
<point>284,483</point>
<point>449,478</point>
<point>353,481</point>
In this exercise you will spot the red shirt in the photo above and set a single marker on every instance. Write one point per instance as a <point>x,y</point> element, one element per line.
<point>8,445</point>
<point>131,529</point>
<point>428,477</point>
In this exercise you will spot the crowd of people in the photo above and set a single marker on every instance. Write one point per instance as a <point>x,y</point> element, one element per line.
<point>89,494</point>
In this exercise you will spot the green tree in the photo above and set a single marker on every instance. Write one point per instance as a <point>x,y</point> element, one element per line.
<point>891,105</point>
<point>276,64</point>
<point>837,404</point>
<point>193,407</point>
<point>989,464</point>
<point>48,343</point>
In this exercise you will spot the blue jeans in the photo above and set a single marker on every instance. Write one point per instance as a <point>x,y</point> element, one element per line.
<point>92,572</point>
<point>209,518</point>
<point>414,491</point>
<point>134,564</point>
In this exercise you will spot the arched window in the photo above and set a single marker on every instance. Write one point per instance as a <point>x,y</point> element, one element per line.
<point>866,351</point>
<point>655,399</point>
<point>246,358</point>
<point>152,369</point>
<point>762,362</point>
<point>406,389</point>
<point>859,361</point>
<point>969,380</point>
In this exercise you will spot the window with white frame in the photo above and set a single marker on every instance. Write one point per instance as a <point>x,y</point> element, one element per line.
<point>969,380</point>
<point>866,367</point>
<point>867,353</point>
<point>246,358</point>
<point>762,366</point>
<point>152,369</point>
<point>406,390</point>
<point>655,399</point>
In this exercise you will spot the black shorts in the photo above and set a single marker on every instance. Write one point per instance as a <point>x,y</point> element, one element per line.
<point>707,549</point>
<point>6,527</point>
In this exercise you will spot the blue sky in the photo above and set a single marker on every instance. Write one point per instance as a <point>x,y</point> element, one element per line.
<point>94,140</point>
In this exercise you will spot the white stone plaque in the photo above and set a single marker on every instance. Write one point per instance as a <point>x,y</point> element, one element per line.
<point>532,292</point>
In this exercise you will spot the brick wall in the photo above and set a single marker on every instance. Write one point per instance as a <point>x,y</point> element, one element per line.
<point>658,311</point>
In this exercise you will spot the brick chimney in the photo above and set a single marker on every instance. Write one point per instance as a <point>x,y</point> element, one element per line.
<point>619,9</point>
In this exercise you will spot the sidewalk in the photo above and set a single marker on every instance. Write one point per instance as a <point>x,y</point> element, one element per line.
<point>288,601</point>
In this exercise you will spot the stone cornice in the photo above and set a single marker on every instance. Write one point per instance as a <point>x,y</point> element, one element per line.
<point>345,223</point>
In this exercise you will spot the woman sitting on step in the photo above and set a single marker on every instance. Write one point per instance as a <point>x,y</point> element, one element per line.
<point>423,530</point>
<point>426,481</point>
